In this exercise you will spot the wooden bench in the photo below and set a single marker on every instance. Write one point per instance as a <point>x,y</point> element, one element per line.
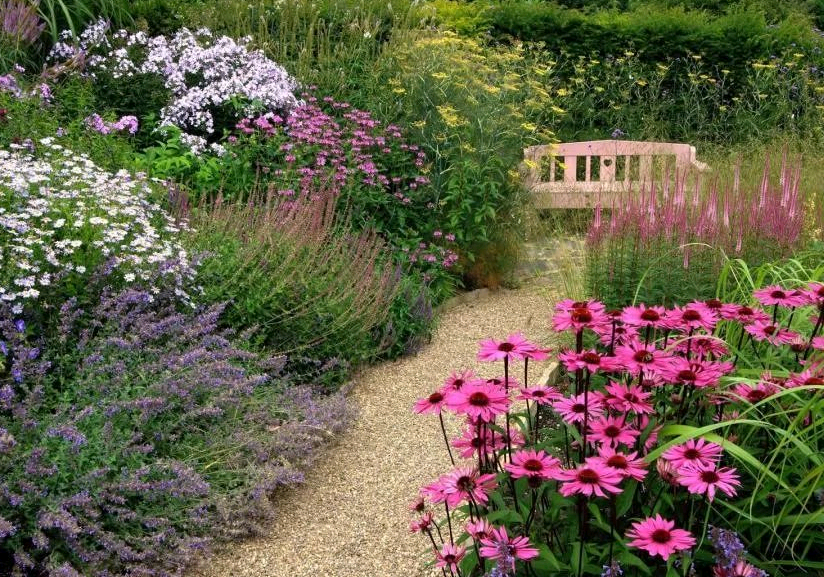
<point>581,174</point>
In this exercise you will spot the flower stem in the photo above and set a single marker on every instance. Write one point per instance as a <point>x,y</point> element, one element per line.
<point>445,440</point>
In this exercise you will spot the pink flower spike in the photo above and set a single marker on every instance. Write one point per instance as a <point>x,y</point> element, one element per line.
<point>777,295</point>
<point>590,478</point>
<point>541,394</point>
<point>693,452</point>
<point>478,399</point>
<point>628,465</point>
<point>706,479</point>
<point>657,536</point>
<point>499,546</point>
<point>572,409</point>
<point>515,347</point>
<point>431,404</point>
<point>449,556</point>
<point>532,463</point>
<point>612,431</point>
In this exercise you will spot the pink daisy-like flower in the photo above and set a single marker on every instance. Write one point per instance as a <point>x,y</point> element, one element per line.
<point>643,316</point>
<point>465,484</point>
<point>434,492</point>
<point>636,356</point>
<point>740,569</point>
<point>626,398</point>
<point>814,294</point>
<point>422,523</point>
<point>418,505</point>
<point>479,529</point>
<point>806,378</point>
<point>532,463</point>
<point>590,478</point>
<point>541,394</point>
<point>773,334</point>
<point>658,536</point>
<point>449,556</point>
<point>478,399</point>
<point>500,382</point>
<point>695,315</point>
<point>743,314</point>
<point>572,409</point>
<point>707,479</point>
<point>591,360</point>
<point>628,465</point>
<point>702,347</point>
<point>699,374</point>
<point>612,431</point>
<point>753,393</point>
<point>619,335</point>
<point>515,346</point>
<point>431,404</point>
<point>578,315</point>
<point>693,452</point>
<point>498,545</point>
<point>777,295</point>
<point>457,379</point>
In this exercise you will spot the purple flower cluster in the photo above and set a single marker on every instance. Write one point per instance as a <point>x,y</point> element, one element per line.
<point>21,23</point>
<point>95,122</point>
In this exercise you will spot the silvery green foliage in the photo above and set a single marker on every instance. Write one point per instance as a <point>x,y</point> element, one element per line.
<point>201,72</point>
<point>61,216</point>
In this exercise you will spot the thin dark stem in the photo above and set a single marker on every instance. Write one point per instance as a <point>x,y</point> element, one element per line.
<point>449,521</point>
<point>445,439</point>
<point>531,516</point>
<point>506,387</point>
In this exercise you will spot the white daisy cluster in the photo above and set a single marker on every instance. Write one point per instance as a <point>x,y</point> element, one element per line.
<point>61,216</point>
<point>201,71</point>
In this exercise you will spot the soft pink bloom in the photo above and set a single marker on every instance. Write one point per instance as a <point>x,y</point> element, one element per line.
<point>449,556</point>
<point>515,347</point>
<point>699,374</point>
<point>465,484</point>
<point>479,529</point>
<point>619,335</point>
<point>431,404</point>
<point>532,463</point>
<point>628,465</point>
<point>541,394</point>
<point>753,393</point>
<point>434,492</point>
<point>578,315</point>
<point>591,360</point>
<point>776,295</point>
<point>740,569</point>
<point>695,315</point>
<point>626,398</point>
<point>702,347</point>
<point>667,471</point>
<point>422,523</point>
<point>469,443</point>
<point>657,536</point>
<point>572,409</point>
<point>457,379</point>
<point>612,431</point>
<point>500,546</point>
<point>706,479</point>
<point>478,399</point>
<point>636,356</point>
<point>590,478</point>
<point>643,316</point>
<point>774,334</point>
<point>693,452</point>
<point>814,294</point>
<point>743,314</point>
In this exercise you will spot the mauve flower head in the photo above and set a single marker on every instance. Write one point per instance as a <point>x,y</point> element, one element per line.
<point>541,394</point>
<point>700,374</point>
<point>627,398</point>
<point>691,317</point>
<point>639,357</point>
<point>643,316</point>
<point>611,431</point>
<point>479,529</point>
<point>743,313</point>
<point>450,556</point>
<point>572,409</point>
<point>591,360</point>
<point>431,404</point>
<point>466,484</point>
<point>770,332</point>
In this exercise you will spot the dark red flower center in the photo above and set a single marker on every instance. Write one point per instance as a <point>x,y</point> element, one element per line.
<point>465,483</point>
<point>820,291</point>
<point>612,431</point>
<point>588,476</point>
<point>591,358</point>
<point>814,381</point>
<point>506,347</point>
<point>686,375</point>
<point>435,398</point>
<point>713,303</point>
<point>650,315</point>
<point>745,311</point>
<point>458,383</point>
<point>643,357</point>
<point>617,462</point>
<point>770,329</point>
<point>692,454</point>
<point>579,305</point>
<point>538,394</point>
<point>449,558</point>
<point>631,398</point>
<point>710,477</point>
<point>691,315</point>
<point>533,465</point>
<point>756,395</point>
<point>581,315</point>
<point>478,399</point>
<point>579,408</point>
<point>776,294</point>
<point>476,442</point>
<point>661,536</point>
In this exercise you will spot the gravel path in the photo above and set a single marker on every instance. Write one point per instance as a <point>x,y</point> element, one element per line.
<point>351,515</point>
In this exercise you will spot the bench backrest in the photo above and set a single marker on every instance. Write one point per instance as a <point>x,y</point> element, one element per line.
<point>579,174</point>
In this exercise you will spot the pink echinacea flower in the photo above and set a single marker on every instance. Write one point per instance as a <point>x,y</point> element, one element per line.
<point>657,536</point>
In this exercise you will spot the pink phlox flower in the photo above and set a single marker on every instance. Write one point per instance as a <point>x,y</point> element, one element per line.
<point>478,399</point>
<point>627,398</point>
<point>636,356</point>
<point>541,394</point>
<point>776,295</point>
<point>699,374</point>
<point>612,431</point>
<point>589,478</point>
<point>590,360</point>
<point>515,346</point>
<point>693,452</point>
<point>691,317</point>
<point>500,546</point>
<point>422,523</point>
<point>706,479</point>
<point>643,316</point>
<point>479,529</point>
<point>753,393</point>
<point>658,536</point>
<point>629,465</point>
<point>466,484</point>
<point>431,404</point>
<point>578,315</point>
<point>743,314</point>
<point>449,556</point>
<point>532,463</point>
<point>572,408</point>
<point>457,379</point>
<point>773,334</point>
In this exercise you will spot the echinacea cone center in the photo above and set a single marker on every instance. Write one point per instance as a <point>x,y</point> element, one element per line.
<point>714,303</point>
<point>643,357</point>
<point>814,381</point>
<point>506,347</point>
<point>588,476</point>
<point>650,315</point>
<point>612,431</point>
<point>778,294</point>
<point>478,399</point>
<point>581,315</point>
<point>579,408</point>
<point>591,358</point>
<point>691,315</point>
<point>465,483</point>
<point>435,398</point>
<point>661,536</point>
<point>709,477</point>
<point>617,462</point>
<point>686,375</point>
<point>533,465</point>
<point>691,454</point>
<point>745,311</point>
<point>769,330</point>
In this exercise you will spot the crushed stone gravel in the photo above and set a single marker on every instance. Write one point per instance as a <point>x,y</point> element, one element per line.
<point>350,517</point>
